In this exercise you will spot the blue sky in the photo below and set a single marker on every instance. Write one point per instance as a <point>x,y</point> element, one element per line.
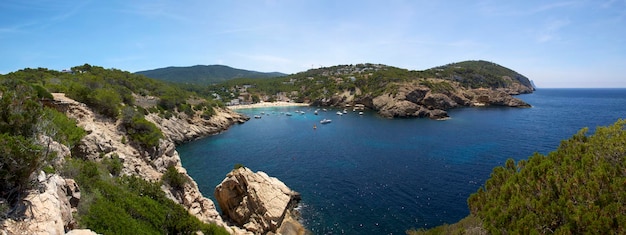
<point>574,43</point>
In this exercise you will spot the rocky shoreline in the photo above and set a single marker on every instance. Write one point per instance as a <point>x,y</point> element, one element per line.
<point>417,100</point>
<point>51,207</point>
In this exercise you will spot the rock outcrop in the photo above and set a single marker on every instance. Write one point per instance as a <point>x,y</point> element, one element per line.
<point>48,209</point>
<point>257,202</point>
<point>413,99</point>
<point>105,138</point>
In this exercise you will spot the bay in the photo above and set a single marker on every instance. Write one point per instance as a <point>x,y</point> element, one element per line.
<point>364,174</point>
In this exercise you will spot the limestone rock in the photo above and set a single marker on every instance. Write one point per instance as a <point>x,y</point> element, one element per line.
<point>498,98</point>
<point>48,212</point>
<point>81,232</point>
<point>255,201</point>
<point>106,135</point>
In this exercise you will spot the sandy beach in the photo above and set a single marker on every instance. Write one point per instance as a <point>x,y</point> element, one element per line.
<point>265,104</point>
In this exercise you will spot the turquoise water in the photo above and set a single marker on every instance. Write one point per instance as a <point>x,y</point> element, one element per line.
<point>371,175</point>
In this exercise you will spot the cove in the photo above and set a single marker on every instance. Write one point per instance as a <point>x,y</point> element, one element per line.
<point>365,174</point>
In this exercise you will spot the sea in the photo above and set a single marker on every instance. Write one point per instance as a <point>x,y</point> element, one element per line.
<point>365,174</point>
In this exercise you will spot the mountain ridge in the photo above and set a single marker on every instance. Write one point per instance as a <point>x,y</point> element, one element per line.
<point>204,74</point>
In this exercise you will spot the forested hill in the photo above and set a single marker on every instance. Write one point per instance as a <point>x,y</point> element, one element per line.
<point>204,74</point>
<point>394,92</point>
<point>475,72</point>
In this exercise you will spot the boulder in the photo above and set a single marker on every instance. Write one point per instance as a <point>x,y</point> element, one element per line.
<point>255,201</point>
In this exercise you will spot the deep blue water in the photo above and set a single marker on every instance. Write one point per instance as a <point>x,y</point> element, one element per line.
<point>371,175</point>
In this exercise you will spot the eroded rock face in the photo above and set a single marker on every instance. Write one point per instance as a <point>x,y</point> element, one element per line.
<point>47,210</point>
<point>105,138</point>
<point>255,201</point>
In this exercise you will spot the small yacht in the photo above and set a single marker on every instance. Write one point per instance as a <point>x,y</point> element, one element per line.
<point>257,116</point>
<point>339,113</point>
<point>345,111</point>
<point>325,121</point>
<point>288,113</point>
<point>360,113</point>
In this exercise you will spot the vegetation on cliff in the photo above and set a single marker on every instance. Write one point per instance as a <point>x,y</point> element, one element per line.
<point>576,189</point>
<point>128,204</point>
<point>579,188</point>
<point>402,92</point>
<point>23,119</point>
<point>111,204</point>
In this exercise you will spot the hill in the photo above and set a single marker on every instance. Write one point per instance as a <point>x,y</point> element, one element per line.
<point>97,137</point>
<point>392,91</point>
<point>204,74</point>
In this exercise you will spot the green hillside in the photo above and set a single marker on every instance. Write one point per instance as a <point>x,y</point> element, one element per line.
<point>478,73</point>
<point>372,80</point>
<point>111,203</point>
<point>204,74</point>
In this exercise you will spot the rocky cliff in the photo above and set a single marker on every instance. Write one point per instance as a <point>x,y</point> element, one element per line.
<point>52,204</point>
<point>430,98</point>
<point>258,203</point>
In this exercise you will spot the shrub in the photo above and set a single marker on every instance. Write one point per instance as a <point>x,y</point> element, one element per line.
<point>140,130</point>
<point>105,101</point>
<point>237,166</point>
<point>20,111</point>
<point>21,157</point>
<point>64,130</point>
<point>577,189</point>
<point>174,178</point>
<point>208,113</point>
<point>113,164</point>
<point>130,205</point>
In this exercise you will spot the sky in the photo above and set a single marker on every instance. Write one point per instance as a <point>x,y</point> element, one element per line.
<point>577,43</point>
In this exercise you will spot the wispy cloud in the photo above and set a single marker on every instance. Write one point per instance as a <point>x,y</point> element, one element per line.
<point>550,32</point>
<point>156,10</point>
<point>498,8</point>
<point>271,59</point>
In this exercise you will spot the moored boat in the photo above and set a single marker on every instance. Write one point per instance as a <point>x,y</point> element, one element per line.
<point>325,121</point>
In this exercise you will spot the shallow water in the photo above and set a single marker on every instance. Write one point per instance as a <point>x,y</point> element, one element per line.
<point>371,175</point>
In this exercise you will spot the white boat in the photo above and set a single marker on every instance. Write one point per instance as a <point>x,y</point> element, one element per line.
<point>257,116</point>
<point>360,113</point>
<point>325,121</point>
<point>315,112</point>
<point>345,111</point>
<point>339,113</point>
<point>288,113</point>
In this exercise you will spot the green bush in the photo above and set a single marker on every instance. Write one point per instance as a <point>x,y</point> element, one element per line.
<point>113,164</point>
<point>577,189</point>
<point>130,205</point>
<point>105,101</point>
<point>140,130</point>
<point>20,159</point>
<point>237,166</point>
<point>64,130</point>
<point>20,111</point>
<point>174,178</point>
<point>208,113</point>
